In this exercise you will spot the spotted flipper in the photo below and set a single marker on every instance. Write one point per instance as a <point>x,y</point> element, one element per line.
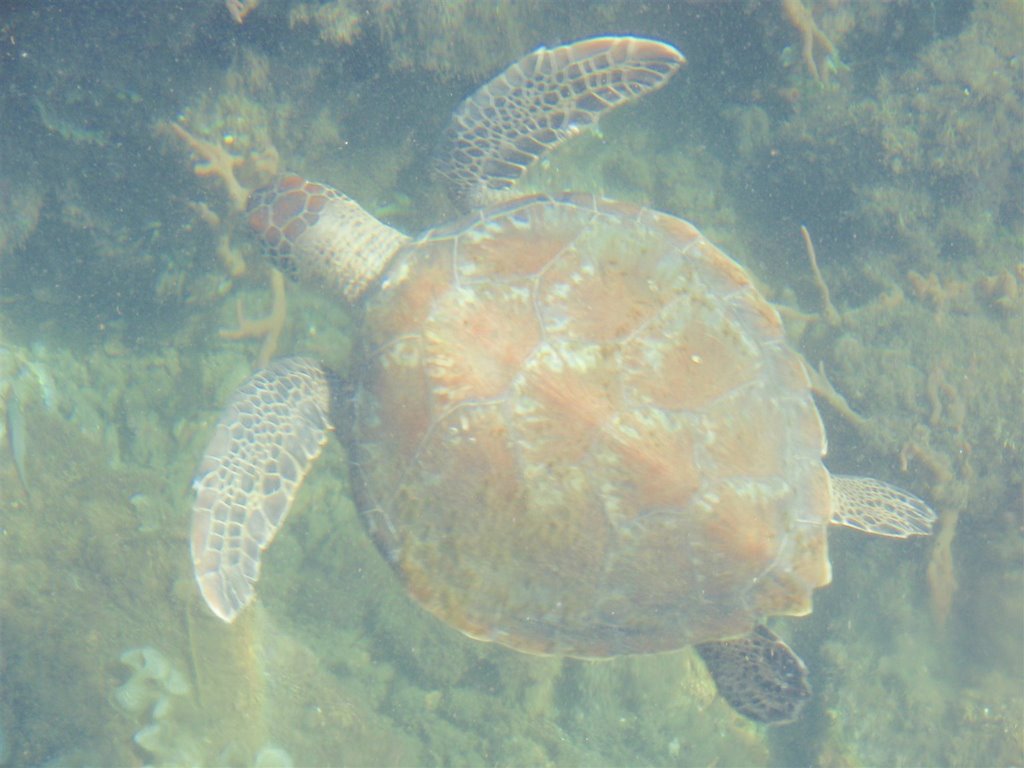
<point>759,676</point>
<point>539,102</point>
<point>273,428</point>
<point>875,507</point>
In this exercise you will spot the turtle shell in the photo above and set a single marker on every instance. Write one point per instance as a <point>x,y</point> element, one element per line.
<point>578,429</point>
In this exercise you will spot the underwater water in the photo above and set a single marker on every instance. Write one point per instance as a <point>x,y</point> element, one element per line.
<point>133,303</point>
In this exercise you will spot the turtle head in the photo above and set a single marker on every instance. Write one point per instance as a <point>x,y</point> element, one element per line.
<point>316,235</point>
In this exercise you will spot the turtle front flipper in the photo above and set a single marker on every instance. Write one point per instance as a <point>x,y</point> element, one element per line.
<point>267,438</point>
<point>759,675</point>
<point>872,506</point>
<point>539,102</point>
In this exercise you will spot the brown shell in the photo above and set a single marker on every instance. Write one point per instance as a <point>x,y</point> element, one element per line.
<point>579,430</point>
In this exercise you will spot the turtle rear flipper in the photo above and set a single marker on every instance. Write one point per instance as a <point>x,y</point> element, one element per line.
<point>540,101</point>
<point>267,438</point>
<point>872,506</point>
<point>759,675</point>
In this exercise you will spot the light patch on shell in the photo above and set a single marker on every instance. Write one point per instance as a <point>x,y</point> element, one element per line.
<point>576,356</point>
<point>546,359</point>
<point>477,340</point>
<point>572,478</point>
<point>585,273</point>
<point>397,275</point>
<point>560,290</point>
<point>689,355</point>
<point>460,432</point>
<point>404,352</point>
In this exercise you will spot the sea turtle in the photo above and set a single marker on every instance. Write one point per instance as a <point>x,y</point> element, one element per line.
<point>575,426</point>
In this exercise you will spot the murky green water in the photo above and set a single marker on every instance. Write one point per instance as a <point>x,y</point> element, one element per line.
<point>901,152</point>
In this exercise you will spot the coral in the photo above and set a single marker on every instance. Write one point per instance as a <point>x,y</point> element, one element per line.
<point>421,35</point>
<point>214,160</point>
<point>1001,290</point>
<point>824,389</point>
<point>950,127</point>
<point>268,327</point>
<point>156,693</point>
<point>273,757</point>
<point>17,439</point>
<point>828,312</point>
<point>340,21</point>
<point>942,583</point>
<point>227,254</point>
<point>153,683</point>
<point>21,202</point>
<point>244,158</point>
<point>815,46</point>
<point>24,382</point>
<point>239,9</point>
